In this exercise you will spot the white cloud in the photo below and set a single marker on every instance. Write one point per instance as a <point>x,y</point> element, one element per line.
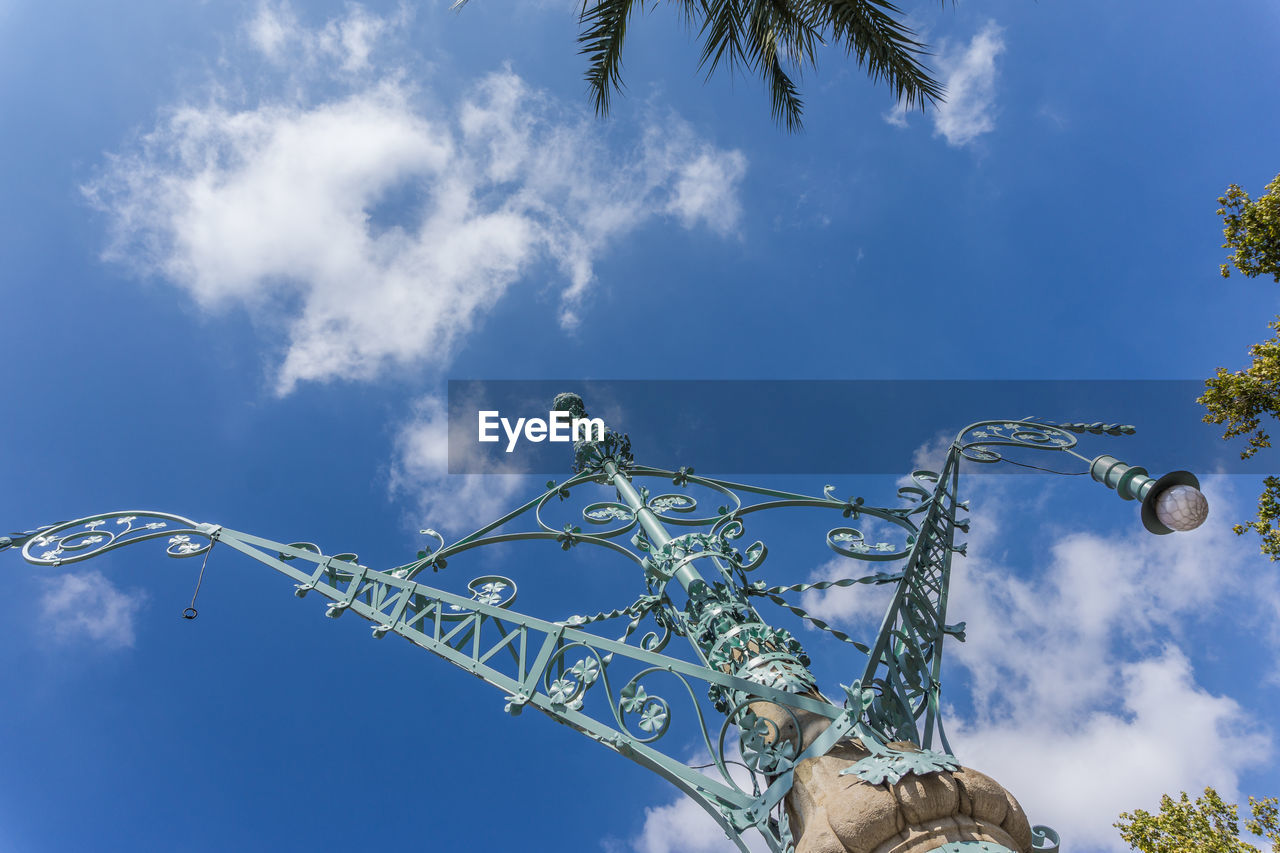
<point>683,826</point>
<point>86,605</point>
<point>1085,702</point>
<point>280,207</point>
<point>1081,666</point>
<point>345,43</point>
<point>706,187</point>
<point>453,504</point>
<point>896,115</point>
<point>860,607</point>
<point>271,29</point>
<point>970,77</point>
<point>1077,774</point>
<point>930,456</point>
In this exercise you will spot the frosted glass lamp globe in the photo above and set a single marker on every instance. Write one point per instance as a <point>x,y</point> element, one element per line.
<point>1182,508</point>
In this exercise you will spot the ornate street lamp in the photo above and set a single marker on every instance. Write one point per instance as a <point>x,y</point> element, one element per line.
<point>872,772</point>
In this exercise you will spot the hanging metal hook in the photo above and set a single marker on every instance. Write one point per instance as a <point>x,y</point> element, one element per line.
<point>191,612</point>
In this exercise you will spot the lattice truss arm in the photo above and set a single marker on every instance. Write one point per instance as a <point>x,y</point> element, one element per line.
<point>619,695</point>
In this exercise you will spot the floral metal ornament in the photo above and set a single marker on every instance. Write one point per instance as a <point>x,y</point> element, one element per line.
<point>615,676</point>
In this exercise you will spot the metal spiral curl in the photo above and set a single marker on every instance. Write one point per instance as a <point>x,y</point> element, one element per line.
<point>598,513</point>
<point>74,541</point>
<point>1045,839</point>
<point>672,503</point>
<point>761,744</point>
<point>606,512</point>
<point>570,685</point>
<point>653,710</point>
<point>654,642</point>
<point>976,440</point>
<point>493,590</point>
<point>678,508</point>
<point>663,564</point>
<point>850,542</point>
<point>731,528</point>
<point>922,490</point>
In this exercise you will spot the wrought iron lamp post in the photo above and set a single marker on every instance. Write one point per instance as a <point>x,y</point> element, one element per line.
<point>780,747</point>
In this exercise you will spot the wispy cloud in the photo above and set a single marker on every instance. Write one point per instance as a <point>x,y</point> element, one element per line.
<point>896,115</point>
<point>1081,664</point>
<point>388,224</point>
<point>683,826</point>
<point>87,606</point>
<point>346,42</point>
<point>970,77</point>
<point>453,504</point>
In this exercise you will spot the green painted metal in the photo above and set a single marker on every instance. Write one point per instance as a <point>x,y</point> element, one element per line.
<point>629,693</point>
<point>1043,840</point>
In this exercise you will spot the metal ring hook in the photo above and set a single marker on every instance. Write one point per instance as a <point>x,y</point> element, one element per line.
<point>191,612</point>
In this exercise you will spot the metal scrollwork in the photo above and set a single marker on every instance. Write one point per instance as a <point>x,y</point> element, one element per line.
<point>672,503</point>
<point>761,743</point>
<point>729,529</point>
<point>493,590</point>
<point>754,673</point>
<point>850,542</point>
<point>679,509</point>
<point>429,555</point>
<point>653,711</point>
<point>73,541</point>
<point>567,687</point>
<point>976,441</point>
<point>609,512</point>
<point>922,490</point>
<point>1045,839</point>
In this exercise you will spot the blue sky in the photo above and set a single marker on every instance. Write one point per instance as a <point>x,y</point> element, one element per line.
<point>245,246</point>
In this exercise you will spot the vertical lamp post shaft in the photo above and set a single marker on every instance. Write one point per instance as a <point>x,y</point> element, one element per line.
<point>723,627</point>
<point>687,575</point>
<point>718,619</point>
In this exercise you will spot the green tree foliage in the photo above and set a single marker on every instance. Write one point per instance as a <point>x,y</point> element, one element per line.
<point>1208,825</point>
<point>1241,400</point>
<point>764,37</point>
<point>1252,230</point>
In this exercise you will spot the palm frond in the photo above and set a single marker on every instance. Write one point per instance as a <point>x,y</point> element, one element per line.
<point>765,37</point>
<point>723,34</point>
<point>775,29</point>
<point>883,45</point>
<point>604,27</point>
<point>786,105</point>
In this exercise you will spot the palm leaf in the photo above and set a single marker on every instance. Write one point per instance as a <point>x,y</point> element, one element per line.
<point>722,35</point>
<point>774,27</point>
<point>764,36</point>
<point>883,45</point>
<point>604,27</point>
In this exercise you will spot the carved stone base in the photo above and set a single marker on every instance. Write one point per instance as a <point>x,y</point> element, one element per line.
<point>831,813</point>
